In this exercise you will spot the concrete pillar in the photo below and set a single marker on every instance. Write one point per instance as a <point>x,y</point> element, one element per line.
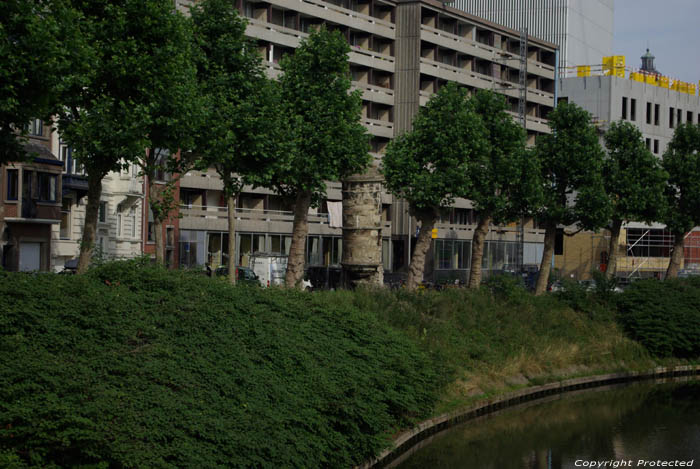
<point>362,225</point>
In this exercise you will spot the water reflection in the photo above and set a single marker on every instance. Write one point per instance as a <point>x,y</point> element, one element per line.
<point>639,421</point>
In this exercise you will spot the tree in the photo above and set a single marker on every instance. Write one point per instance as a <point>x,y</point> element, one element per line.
<point>682,162</point>
<point>240,129</point>
<point>33,57</point>
<point>137,93</point>
<point>634,183</point>
<point>433,163</point>
<point>328,142</point>
<point>571,160</point>
<point>501,177</point>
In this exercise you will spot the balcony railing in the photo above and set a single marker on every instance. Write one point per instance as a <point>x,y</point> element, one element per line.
<point>221,213</point>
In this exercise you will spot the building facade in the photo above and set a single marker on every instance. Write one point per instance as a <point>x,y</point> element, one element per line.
<point>401,53</point>
<point>583,29</point>
<point>656,106</point>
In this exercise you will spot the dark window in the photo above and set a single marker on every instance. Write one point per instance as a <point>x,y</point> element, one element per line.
<point>36,128</point>
<point>656,146</point>
<point>649,113</point>
<point>679,116</point>
<point>102,213</point>
<point>689,117</point>
<point>48,184</point>
<point>559,242</point>
<point>671,115</point>
<point>648,143</point>
<point>649,243</point>
<point>633,109</point>
<point>624,108</point>
<point>657,110</point>
<point>12,181</point>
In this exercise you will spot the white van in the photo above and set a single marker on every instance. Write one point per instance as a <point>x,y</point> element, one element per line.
<point>270,268</point>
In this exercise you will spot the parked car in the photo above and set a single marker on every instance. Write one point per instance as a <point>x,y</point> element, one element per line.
<point>590,285</point>
<point>243,275</point>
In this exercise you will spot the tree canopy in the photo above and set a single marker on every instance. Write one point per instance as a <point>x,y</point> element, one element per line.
<point>682,162</point>
<point>435,162</point>
<point>573,193</point>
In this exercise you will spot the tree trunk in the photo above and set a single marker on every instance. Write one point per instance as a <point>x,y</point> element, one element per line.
<point>232,240</point>
<point>676,256</point>
<point>550,236</point>
<point>482,229</point>
<point>614,249</point>
<point>415,269</point>
<point>154,197</point>
<point>87,244</point>
<point>296,262</point>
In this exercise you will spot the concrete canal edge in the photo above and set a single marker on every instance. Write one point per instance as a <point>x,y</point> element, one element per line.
<point>406,440</point>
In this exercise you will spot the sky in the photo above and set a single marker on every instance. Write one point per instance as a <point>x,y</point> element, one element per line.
<point>671,30</point>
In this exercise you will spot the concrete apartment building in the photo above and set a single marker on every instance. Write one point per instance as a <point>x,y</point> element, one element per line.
<point>583,29</point>
<point>402,52</point>
<point>646,99</point>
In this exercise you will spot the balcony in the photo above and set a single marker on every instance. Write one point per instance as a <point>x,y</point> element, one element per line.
<point>198,217</point>
<point>379,128</point>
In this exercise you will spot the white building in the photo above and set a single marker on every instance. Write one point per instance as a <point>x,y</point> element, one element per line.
<point>583,29</point>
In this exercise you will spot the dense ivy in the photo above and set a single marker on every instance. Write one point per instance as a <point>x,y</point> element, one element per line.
<point>663,316</point>
<point>134,366</point>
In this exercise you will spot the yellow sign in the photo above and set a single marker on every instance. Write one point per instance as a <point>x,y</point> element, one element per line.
<point>614,65</point>
<point>663,82</point>
<point>583,71</point>
<point>434,233</point>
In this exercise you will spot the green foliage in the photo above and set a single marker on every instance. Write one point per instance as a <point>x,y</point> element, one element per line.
<point>682,162</point>
<point>441,156</point>
<point>571,161</point>
<point>663,316</point>
<point>33,54</point>
<point>240,133</point>
<point>503,182</point>
<point>632,175</point>
<point>326,139</point>
<point>133,365</point>
<point>505,285</point>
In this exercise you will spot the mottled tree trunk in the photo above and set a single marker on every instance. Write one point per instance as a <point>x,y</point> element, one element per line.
<point>87,243</point>
<point>296,262</point>
<point>482,229</point>
<point>415,269</point>
<point>232,240</point>
<point>614,249</point>
<point>676,256</point>
<point>550,236</point>
<point>154,196</point>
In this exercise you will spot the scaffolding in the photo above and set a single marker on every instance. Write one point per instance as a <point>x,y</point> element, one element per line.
<point>648,252</point>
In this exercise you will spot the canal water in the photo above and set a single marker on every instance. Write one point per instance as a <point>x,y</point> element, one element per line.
<point>643,424</point>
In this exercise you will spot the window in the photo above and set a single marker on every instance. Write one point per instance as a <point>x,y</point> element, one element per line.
<point>633,109</point>
<point>689,117</point>
<point>559,242</point>
<point>671,115</point>
<point>656,146</point>
<point>160,174</point>
<point>280,244</point>
<point>169,246</point>
<point>120,223</point>
<point>132,219</point>
<point>151,227</point>
<point>624,108</point>
<point>102,213</point>
<point>12,183</point>
<point>452,254</point>
<point>65,155</point>
<point>649,113</point>
<point>678,116</point>
<point>648,143</point>
<point>35,128</point>
<point>48,187</point>
<point>64,231</point>
<point>657,110</point>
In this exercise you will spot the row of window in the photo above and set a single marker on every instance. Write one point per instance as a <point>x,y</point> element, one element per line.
<point>36,185</point>
<point>653,113</point>
<point>126,221</point>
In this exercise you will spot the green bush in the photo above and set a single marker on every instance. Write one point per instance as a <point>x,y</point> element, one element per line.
<point>663,316</point>
<point>135,366</point>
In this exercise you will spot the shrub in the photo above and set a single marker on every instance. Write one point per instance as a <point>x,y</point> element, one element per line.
<point>663,316</point>
<point>136,366</point>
